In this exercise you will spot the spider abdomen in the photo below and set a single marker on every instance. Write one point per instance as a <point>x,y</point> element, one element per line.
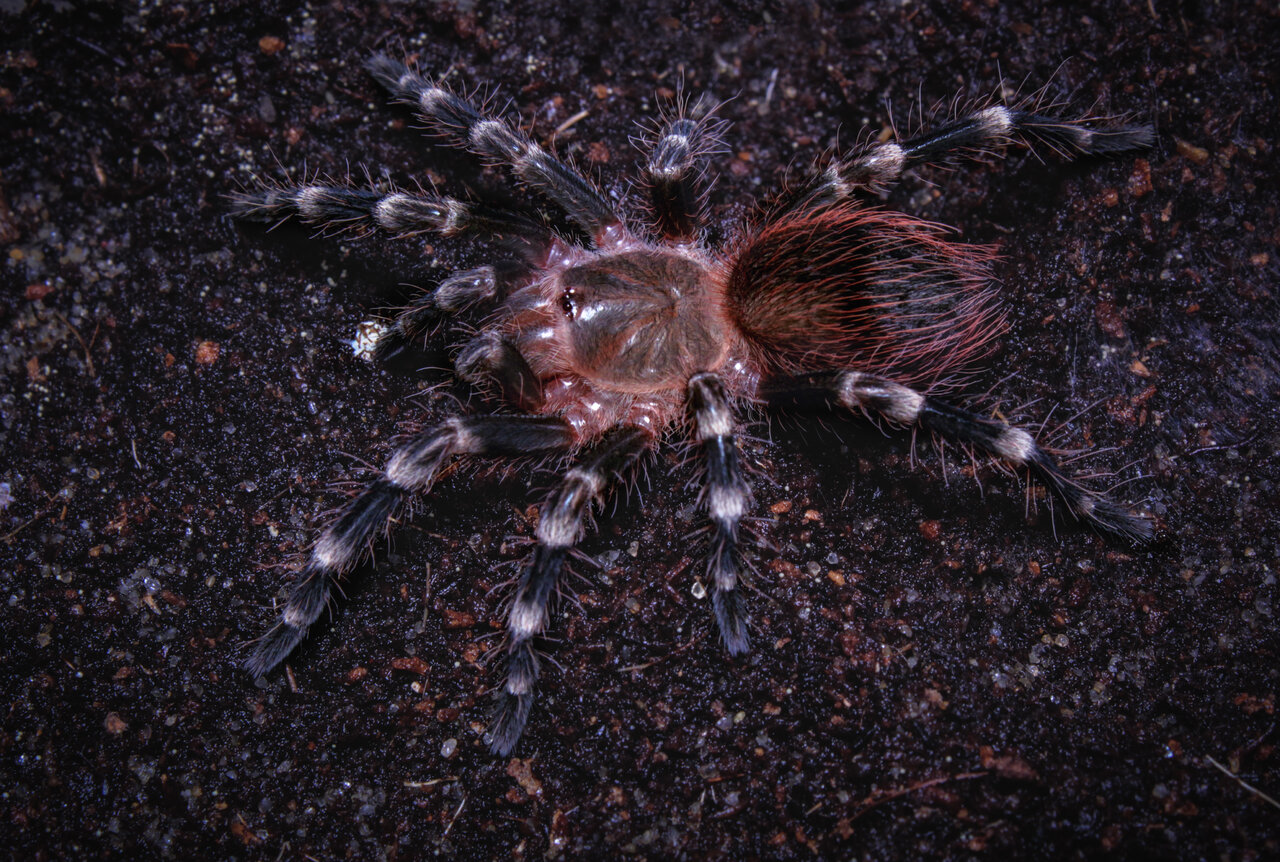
<point>849,286</point>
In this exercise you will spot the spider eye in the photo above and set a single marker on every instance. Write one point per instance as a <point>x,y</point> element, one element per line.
<point>569,304</point>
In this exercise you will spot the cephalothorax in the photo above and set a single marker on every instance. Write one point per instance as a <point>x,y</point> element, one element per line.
<point>605,337</point>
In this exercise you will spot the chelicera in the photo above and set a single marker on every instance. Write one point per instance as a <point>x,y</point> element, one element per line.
<point>605,337</point>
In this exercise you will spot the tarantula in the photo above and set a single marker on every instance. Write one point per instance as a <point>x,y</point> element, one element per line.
<point>606,336</point>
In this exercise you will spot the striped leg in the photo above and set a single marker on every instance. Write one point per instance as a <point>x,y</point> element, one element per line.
<point>456,119</point>
<point>675,174</point>
<point>728,497</point>
<point>483,284</point>
<point>880,165</point>
<point>561,527</point>
<point>338,208</point>
<point>412,469</point>
<point>904,406</point>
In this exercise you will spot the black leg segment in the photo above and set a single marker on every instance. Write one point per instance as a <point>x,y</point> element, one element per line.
<point>461,123</point>
<point>460,291</point>
<point>347,208</point>
<point>412,469</point>
<point>675,174</point>
<point>728,499</point>
<point>902,405</point>
<point>561,526</point>
<point>877,166</point>
<point>490,359</point>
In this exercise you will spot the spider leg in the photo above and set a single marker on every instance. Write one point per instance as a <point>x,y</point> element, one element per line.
<point>456,293</point>
<point>904,406</point>
<point>338,208</point>
<point>334,207</point>
<point>675,174</point>
<point>412,469</point>
<point>490,358</point>
<point>456,119</point>
<point>560,528</point>
<point>728,497</point>
<point>877,166</point>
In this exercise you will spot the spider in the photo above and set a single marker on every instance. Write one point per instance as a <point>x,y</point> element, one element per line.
<point>606,337</point>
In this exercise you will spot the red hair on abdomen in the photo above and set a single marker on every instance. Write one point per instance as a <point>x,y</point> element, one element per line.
<point>847,286</point>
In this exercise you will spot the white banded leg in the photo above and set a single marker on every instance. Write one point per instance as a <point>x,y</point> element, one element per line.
<point>412,469</point>
<point>902,405</point>
<point>675,174</point>
<point>728,498</point>
<point>484,284</point>
<point>338,208</point>
<point>879,165</point>
<point>560,528</point>
<point>456,119</point>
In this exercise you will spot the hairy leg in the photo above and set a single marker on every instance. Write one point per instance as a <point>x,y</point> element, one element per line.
<point>561,526</point>
<point>489,359</point>
<point>728,497</point>
<point>904,406</point>
<point>478,286</point>
<point>675,173</point>
<point>460,122</point>
<point>334,207</point>
<point>412,469</point>
<point>879,165</point>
